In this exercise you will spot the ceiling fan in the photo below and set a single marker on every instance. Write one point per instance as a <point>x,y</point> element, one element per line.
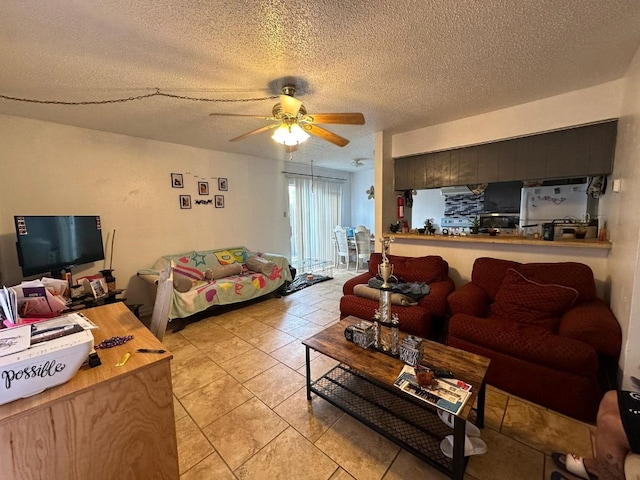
<point>294,124</point>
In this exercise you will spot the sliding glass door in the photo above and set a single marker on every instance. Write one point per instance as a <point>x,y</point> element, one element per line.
<point>315,208</point>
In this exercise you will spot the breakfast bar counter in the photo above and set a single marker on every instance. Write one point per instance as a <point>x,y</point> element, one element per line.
<point>483,238</point>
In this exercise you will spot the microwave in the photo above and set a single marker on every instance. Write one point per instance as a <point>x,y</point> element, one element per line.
<point>501,221</point>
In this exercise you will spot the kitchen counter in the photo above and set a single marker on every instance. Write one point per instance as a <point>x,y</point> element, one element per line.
<point>590,243</point>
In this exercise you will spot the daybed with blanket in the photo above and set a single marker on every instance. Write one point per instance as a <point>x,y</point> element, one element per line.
<point>549,338</point>
<point>419,313</point>
<point>197,280</point>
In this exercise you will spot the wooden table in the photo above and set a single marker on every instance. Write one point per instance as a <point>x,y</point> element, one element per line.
<point>106,422</point>
<point>411,423</point>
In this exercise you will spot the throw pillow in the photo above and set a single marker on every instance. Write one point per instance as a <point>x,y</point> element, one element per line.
<point>182,284</point>
<point>225,271</point>
<point>526,301</point>
<point>231,255</point>
<point>364,291</point>
<point>184,277</point>
<point>260,265</point>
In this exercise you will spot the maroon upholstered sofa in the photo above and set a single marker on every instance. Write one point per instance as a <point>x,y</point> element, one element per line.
<point>548,336</point>
<point>423,319</point>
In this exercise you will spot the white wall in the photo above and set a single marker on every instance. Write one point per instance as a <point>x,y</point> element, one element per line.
<point>616,273</point>
<point>52,169</point>
<point>427,204</point>
<point>575,108</point>
<point>362,209</point>
<point>623,223</point>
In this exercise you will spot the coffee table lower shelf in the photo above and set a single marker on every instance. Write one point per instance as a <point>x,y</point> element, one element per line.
<point>412,424</point>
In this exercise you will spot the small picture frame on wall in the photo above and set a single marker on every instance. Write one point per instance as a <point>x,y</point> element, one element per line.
<point>203,188</point>
<point>219,201</point>
<point>223,184</point>
<point>176,180</point>
<point>185,201</point>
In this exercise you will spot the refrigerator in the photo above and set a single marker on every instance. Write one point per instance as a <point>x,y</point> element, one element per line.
<point>545,204</point>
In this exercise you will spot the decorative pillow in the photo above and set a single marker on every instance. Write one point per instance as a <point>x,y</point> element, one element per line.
<point>525,301</point>
<point>260,265</point>
<point>184,277</point>
<point>182,284</point>
<point>364,291</point>
<point>232,255</point>
<point>225,271</point>
<point>211,261</point>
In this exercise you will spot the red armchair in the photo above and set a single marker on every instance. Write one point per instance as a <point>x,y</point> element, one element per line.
<point>548,336</point>
<point>426,318</point>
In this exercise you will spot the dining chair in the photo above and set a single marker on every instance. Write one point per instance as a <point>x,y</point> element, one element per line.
<point>362,236</point>
<point>342,245</point>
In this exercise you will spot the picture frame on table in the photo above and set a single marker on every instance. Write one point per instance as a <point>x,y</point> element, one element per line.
<point>98,288</point>
<point>203,188</point>
<point>185,201</point>
<point>176,180</point>
<point>219,201</point>
<point>223,184</point>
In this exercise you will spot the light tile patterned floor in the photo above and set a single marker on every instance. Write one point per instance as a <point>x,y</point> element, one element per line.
<point>241,409</point>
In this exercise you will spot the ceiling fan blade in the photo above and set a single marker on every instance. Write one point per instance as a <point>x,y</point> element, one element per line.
<point>290,148</point>
<point>336,118</point>
<point>253,132</point>
<point>240,115</point>
<point>325,135</point>
<point>290,105</point>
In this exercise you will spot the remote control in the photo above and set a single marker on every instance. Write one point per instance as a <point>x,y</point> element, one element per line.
<point>442,373</point>
<point>438,372</point>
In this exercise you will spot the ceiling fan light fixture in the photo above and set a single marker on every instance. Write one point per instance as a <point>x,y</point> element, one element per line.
<point>290,135</point>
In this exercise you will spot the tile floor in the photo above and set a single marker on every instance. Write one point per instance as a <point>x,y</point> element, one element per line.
<point>241,409</point>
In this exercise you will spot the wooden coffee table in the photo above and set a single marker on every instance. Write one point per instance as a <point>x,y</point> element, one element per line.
<point>362,386</point>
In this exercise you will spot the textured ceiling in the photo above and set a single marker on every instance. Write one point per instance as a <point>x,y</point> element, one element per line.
<point>404,64</point>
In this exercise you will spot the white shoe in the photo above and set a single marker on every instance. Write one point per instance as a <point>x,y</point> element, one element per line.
<point>447,418</point>
<point>472,446</point>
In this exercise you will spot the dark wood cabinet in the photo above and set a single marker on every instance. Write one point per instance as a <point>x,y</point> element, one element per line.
<point>404,173</point>
<point>566,150</point>
<point>574,152</point>
<point>487,164</point>
<point>531,157</point>
<point>602,147</point>
<point>467,166</point>
<point>440,174</point>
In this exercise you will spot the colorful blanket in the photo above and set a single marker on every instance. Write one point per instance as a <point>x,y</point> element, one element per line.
<point>221,291</point>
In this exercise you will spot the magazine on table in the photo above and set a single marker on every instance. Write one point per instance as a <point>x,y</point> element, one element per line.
<point>8,305</point>
<point>447,394</point>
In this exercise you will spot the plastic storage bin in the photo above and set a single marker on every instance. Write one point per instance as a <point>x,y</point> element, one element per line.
<point>43,365</point>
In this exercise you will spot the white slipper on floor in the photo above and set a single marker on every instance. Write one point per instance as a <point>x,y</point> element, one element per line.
<point>447,418</point>
<point>573,464</point>
<point>472,446</point>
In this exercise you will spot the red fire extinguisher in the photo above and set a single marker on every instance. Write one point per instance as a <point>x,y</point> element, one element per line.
<point>400,206</point>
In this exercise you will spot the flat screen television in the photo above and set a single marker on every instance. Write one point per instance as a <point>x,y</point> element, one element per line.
<point>53,243</point>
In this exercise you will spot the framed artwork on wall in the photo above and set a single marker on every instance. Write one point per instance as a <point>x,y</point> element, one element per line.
<point>219,201</point>
<point>185,201</point>
<point>176,180</point>
<point>223,184</point>
<point>203,188</point>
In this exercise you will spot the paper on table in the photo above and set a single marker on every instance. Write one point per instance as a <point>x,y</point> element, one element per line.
<point>55,285</point>
<point>448,394</point>
<point>33,298</point>
<point>8,305</point>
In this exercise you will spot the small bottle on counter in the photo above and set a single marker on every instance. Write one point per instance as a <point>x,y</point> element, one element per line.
<point>602,233</point>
